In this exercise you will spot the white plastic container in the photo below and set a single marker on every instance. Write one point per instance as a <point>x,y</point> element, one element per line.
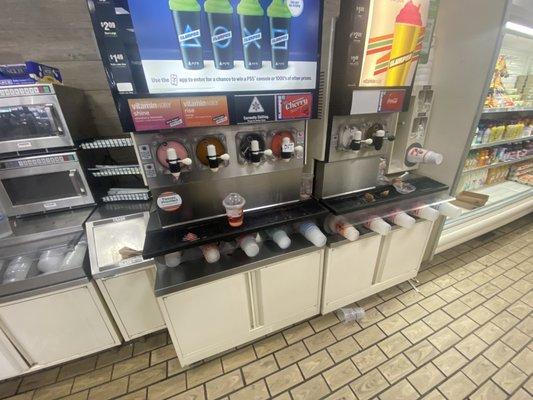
<point>280,237</point>
<point>51,260</point>
<point>449,210</point>
<point>418,155</point>
<point>249,245</point>
<point>426,212</point>
<point>335,224</point>
<point>350,314</point>
<point>74,258</point>
<point>17,269</point>
<point>172,260</point>
<point>402,219</point>
<point>211,253</point>
<point>378,225</point>
<point>312,233</point>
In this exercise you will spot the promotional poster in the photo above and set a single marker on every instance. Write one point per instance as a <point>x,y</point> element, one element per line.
<point>183,63</point>
<point>395,33</point>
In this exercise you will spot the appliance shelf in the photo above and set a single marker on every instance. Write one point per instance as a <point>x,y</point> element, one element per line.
<point>163,241</point>
<point>115,171</point>
<point>500,142</point>
<point>126,197</point>
<point>106,143</point>
<point>498,164</point>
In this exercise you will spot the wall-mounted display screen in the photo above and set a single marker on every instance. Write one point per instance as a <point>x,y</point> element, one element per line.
<point>182,63</point>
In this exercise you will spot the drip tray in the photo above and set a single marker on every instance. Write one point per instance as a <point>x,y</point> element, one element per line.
<point>385,198</point>
<point>161,242</point>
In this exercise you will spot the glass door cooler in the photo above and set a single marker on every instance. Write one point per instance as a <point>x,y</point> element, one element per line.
<point>495,181</point>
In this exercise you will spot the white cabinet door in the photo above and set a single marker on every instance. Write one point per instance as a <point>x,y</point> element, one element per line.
<point>289,291</point>
<point>59,326</point>
<point>11,363</point>
<point>209,318</point>
<point>403,250</point>
<point>130,297</point>
<point>349,272</point>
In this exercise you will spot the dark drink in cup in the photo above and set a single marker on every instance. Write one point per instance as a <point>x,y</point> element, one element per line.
<point>186,15</point>
<point>251,19</point>
<point>220,18</point>
<point>279,16</point>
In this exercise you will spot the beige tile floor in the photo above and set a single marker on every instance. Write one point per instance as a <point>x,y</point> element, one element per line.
<point>467,333</point>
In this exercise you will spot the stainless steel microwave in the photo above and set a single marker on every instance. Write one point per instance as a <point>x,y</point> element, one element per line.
<point>30,185</point>
<point>41,117</point>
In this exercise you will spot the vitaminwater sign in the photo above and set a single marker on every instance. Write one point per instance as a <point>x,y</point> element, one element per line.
<point>188,48</point>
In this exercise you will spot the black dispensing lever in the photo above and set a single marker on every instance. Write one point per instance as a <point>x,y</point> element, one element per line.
<point>174,162</point>
<point>214,159</point>
<point>378,134</point>
<point>256,152</point>
<point>357,140</point>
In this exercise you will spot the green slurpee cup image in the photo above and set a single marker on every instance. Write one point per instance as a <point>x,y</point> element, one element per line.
<point>186,15</point>
<point>279,16</point>
<point>251,19</point>
<point>220,19</point>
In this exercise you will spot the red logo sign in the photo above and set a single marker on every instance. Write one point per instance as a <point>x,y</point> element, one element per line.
<point>392,100</point>
<point>294,106</point>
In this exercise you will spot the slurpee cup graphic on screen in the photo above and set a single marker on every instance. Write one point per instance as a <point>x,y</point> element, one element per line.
<point>251,19</point>
<point>280,22</point>
<point>186,15</point>
<point>220,18</point>
<point>407,29</point>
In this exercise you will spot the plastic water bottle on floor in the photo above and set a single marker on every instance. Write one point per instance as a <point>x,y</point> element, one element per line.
<point>351,314</point>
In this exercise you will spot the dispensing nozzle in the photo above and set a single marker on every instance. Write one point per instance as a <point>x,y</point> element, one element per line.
<point>174,162</point>
<point>213,159</point>
<point>255,151</point>
<point>378,138</point>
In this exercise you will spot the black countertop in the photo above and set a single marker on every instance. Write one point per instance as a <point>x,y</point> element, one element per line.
<point>354,202</point>
<point>164,241</point>
<point>194,273</point>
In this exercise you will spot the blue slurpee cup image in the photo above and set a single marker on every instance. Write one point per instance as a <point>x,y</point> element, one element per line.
<point>251,19</point>
<point>279,16</point>
<point>186,16</point>
<point>220,19</point>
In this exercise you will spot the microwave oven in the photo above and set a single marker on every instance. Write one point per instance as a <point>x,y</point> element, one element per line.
<point>41,118</point>
<point>36,184</point>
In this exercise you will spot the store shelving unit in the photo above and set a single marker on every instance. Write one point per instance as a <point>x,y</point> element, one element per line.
<point>507,200</point>
<point>500,142</point>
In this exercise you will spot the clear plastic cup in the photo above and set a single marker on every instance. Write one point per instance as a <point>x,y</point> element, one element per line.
<point>350,314</point>
<point>234,205</point>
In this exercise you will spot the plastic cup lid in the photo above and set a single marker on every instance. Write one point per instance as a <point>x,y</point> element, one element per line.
<point>233,200</point>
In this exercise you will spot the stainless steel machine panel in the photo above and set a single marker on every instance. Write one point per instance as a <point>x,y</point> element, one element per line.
<point>412,129</point>
<point>41,117</point>
<point>347,176</point>
<point>230,140</point>
<point>344,127</point>
<point>37,184</point>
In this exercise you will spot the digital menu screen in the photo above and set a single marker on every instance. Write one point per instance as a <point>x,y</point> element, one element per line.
<point>183,63</point>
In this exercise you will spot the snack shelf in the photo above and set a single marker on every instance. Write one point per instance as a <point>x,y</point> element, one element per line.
<point>506,110</point>
<point>500,142</point>
<point>498,164</point>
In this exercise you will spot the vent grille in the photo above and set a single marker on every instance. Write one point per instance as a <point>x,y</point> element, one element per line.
<point>321,94</point>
